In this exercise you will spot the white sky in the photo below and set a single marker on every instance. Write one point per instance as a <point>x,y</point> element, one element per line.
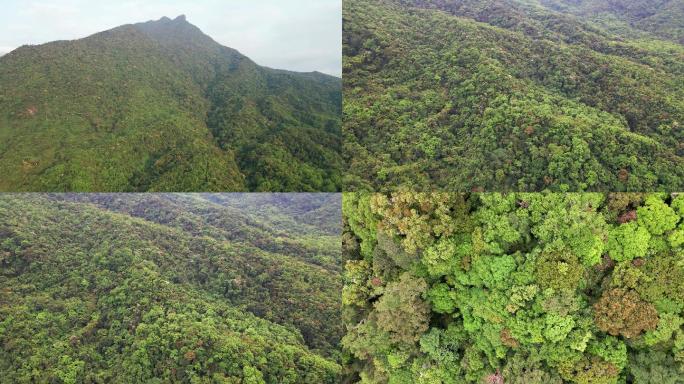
<point>299,35</point>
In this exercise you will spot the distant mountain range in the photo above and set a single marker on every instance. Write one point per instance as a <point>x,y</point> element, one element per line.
<point>160,106</point>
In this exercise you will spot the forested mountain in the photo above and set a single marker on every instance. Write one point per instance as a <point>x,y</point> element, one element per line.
<point>513,95</point>
<point>526,288</point>
<point>160,106</point>
<point>168,288</point>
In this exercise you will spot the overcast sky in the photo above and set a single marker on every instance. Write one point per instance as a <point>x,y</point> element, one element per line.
<point>299,35</point>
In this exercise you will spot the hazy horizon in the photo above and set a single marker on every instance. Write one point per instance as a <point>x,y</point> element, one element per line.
<point>300,35</point>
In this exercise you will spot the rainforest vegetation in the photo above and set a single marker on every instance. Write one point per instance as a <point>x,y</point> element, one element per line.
<point>160,106</point>
<point>156,288</point>
<point>513,95</point>
<point>514,288</point>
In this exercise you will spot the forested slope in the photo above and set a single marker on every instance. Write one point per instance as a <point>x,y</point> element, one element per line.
<point>514,288</point>
<point>97,288</point>
<point>661,18</point>
<point>276,230</point>
<point>507,95</point>
<point>160,106</point>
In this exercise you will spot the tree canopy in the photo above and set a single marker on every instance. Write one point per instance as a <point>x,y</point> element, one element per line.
<point>514,288</point>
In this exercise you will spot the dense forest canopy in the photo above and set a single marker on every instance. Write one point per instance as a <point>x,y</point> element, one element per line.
<point>661,18</point>
<point>160,106</point>
<point>517,95</point>
<point>529,288</point>
<point>156,288</point>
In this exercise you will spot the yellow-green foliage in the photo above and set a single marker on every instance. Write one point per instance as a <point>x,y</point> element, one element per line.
<point>628,241</point>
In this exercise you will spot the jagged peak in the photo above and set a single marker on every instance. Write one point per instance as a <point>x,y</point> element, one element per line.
<point>166,25</point>
<point>176,31</point>
<point>178,19</point>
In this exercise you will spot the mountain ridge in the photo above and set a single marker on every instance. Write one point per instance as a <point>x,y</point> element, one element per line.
<point>229,124</point>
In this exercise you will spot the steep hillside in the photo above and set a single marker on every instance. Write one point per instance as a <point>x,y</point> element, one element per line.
<point>160,106</point>
<point>127,288</point>
<point>506,95</point>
